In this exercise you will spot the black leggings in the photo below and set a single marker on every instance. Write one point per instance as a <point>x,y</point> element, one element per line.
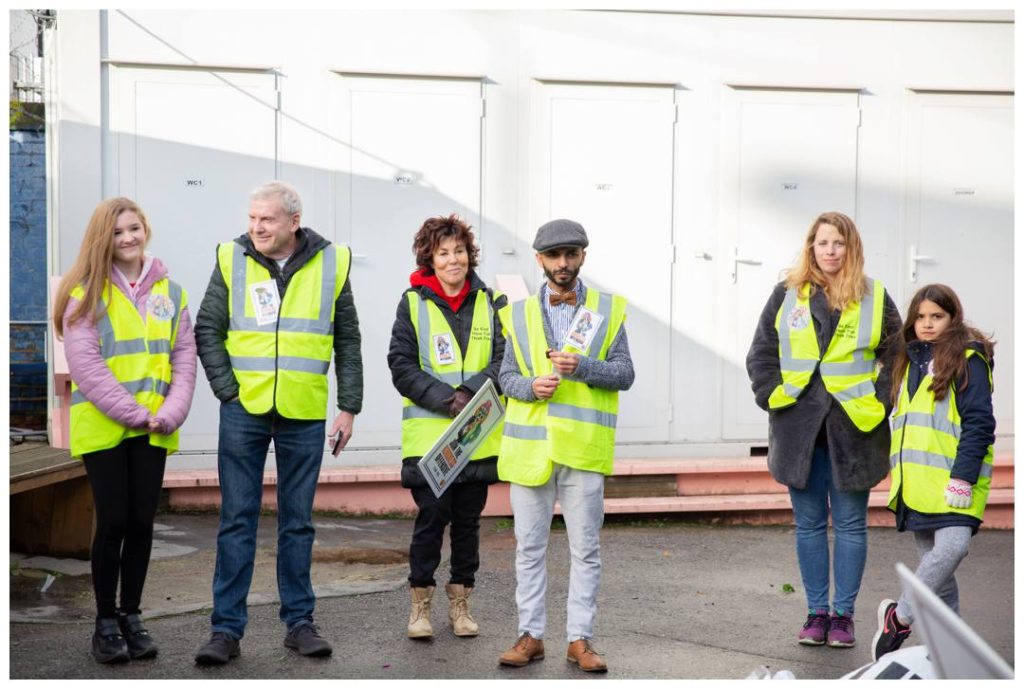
<point>126,482</point>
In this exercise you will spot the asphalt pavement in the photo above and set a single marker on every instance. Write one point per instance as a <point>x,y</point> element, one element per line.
<point>677,600</point>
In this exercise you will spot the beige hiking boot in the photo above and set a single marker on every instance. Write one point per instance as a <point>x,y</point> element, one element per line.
<point>419,618</point>
<point>463,623</point>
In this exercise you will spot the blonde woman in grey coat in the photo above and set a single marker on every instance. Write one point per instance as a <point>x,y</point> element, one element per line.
<point>828,449</point>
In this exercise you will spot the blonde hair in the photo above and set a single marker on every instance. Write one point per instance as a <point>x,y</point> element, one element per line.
<point>92,267</point>
<point>849,285</point>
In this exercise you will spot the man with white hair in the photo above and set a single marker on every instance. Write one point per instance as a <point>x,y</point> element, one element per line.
<point>278,304</point>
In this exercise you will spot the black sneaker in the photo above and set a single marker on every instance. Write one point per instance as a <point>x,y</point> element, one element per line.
<point>108,646</point>
<point>140,643</point>
<point>891,634</point>
<point>305,638</point>
<point>218,650</point>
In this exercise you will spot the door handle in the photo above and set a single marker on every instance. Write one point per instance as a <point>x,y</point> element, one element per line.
<point>737,260</point>
<point>916,258</point>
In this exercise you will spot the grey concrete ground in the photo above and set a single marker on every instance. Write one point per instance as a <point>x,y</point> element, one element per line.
<point>677,601</point>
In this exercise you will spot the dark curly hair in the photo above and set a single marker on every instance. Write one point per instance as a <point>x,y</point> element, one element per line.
<point>433,231</point>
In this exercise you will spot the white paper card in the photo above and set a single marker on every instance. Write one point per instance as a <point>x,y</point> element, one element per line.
<point>265,301</point>
<point>583,328</point>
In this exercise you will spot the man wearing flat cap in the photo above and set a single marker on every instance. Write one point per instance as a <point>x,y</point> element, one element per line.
<point>562,375</point>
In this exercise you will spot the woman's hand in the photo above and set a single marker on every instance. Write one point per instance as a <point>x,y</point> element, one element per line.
<point>155,425</point>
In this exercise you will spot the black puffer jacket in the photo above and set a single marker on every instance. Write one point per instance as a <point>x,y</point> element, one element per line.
<point>859,460</point>
<point>425,390</point>
<point>211,325</point>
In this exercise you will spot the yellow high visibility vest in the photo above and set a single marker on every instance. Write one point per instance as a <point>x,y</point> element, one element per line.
<point>138,353</point>
<point>925,434</point>
<point>848,367</point>
<point>576,427</point>
<point>282,363</point>
<point>441,357</point>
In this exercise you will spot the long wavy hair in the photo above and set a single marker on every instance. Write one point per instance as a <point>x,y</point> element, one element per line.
<point>948,349</point>
<point>92,267</point>
<point>849,285</point>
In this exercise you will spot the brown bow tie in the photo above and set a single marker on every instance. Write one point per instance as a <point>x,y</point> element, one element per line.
<point>568,298</point>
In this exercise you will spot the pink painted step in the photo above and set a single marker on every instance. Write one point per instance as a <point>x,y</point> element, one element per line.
<point>740,487</point>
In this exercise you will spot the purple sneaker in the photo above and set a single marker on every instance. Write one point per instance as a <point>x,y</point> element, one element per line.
<point>840,632</point>
<point>815,629</point>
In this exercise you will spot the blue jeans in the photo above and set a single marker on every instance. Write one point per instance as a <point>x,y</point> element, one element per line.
<point>811,508</point>
<point>241,455</point>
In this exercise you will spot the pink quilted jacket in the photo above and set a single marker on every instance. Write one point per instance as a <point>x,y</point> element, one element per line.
<point>96,381</point>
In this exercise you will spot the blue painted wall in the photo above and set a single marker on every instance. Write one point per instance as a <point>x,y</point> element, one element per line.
<point>28,278</point>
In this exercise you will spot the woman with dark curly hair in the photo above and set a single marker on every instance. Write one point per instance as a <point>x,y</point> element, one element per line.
<point>445,344</point>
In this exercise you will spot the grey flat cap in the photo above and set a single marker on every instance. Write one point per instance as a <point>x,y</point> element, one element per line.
<point>560,232</point>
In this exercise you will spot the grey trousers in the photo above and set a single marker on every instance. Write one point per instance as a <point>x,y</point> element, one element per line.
<point>941,552</point>
<point>581,495</point>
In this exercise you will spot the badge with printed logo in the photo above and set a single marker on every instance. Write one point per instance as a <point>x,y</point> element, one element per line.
<point>799,318</point>
<point>160,307</point>
<point>443,349</point>
<point>265,301</point>
<point>931,368</point>
<point>583,328</point>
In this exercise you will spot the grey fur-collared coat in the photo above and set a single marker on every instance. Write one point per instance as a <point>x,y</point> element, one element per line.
<point>859,460</point>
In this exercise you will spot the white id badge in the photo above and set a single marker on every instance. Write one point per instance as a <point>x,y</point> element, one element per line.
<point>265,301</point>
<point>583,328</point>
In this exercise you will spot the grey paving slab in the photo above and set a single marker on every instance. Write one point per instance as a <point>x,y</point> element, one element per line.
<point>677,601</point>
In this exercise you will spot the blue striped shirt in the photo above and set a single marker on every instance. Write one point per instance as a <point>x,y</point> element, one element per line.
<point>560,316</point>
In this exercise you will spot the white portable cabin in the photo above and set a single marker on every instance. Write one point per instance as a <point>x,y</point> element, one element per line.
<point>695,148</point>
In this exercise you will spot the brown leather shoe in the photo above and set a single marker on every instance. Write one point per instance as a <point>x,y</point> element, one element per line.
<point>525,649</point>
<point>584,655</point>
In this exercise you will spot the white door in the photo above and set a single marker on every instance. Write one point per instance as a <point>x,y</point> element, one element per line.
<point>188,146</point>
<point>959,216</point>
<point>414,147</point>
<point>787,156</point>
<point>605,159</point>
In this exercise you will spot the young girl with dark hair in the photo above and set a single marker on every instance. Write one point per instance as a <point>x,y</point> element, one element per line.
<point>941,457</point>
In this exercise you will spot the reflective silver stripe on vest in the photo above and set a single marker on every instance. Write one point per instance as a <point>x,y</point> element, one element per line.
<point>862,389</point>
<point>941,424</point>
<point>568,411</point>
<point>604,307</point>
<point>860,364</point>
<point>791,390</point>
<point>132,386</point>
<point>785,346</point>
<point>423,335</point>
<point>284,363</point>
<point>521,432</point>
<point>850,368</point>
<point>520,335</point>
<point>317,326</point>
<point>935,461</point>
<point>174,290</point>
<point>414,412</point>
<point>159,346</point>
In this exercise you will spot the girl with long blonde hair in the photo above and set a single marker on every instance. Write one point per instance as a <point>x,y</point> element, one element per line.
<point>131,355</point>
<point>816,366</point>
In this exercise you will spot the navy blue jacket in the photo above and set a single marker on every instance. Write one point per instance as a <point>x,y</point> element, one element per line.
<point>978,426</point>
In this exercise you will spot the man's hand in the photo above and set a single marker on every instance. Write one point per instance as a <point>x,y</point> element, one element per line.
<point>564,362</point>
<point>341,431</point>
<point>544,386</point>
<point>458,402</point>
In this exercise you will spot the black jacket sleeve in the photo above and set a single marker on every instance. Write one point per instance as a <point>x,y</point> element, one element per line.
<point>404,361</point>
<point>885,352</point>
<point>977,422</point>
<point>497,351</point>
<point>348,358</point>
<point>211,331</point>
<point>763,358</point>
